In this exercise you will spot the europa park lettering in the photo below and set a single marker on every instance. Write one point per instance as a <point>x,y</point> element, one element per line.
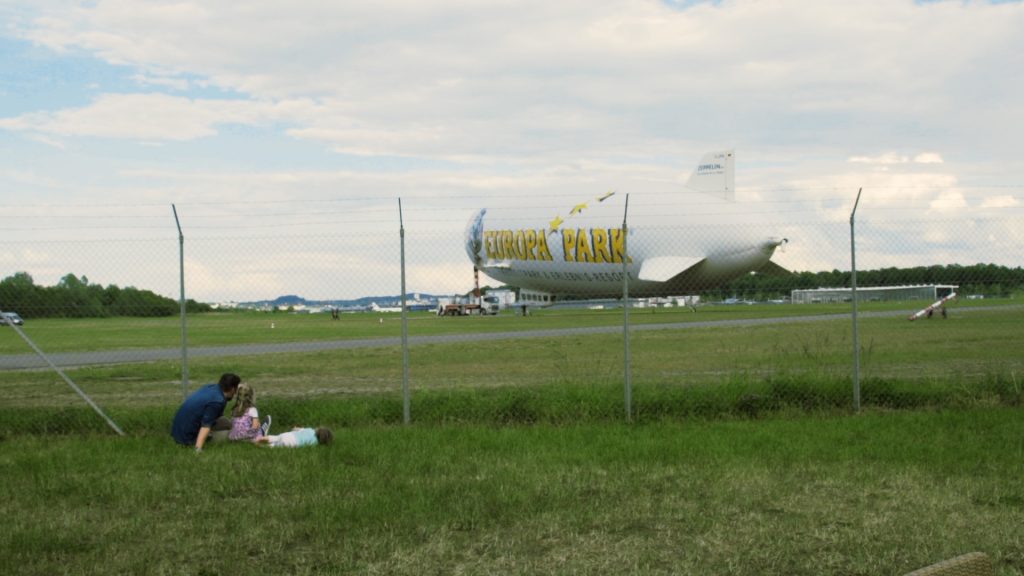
<point>598,245</point>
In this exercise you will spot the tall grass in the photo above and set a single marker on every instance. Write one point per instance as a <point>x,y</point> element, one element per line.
<point>715,371</point>
<point>820,494</point>
<point>559,404</point>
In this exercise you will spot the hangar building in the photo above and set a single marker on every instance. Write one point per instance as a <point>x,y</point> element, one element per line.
<point>930,292</point>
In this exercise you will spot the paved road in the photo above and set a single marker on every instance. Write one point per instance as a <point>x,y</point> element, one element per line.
<point>74,359</point>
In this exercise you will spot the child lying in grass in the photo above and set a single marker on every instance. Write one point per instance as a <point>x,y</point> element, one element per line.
<point>297,437</point>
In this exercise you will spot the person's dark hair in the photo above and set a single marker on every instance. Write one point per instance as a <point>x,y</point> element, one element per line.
<point>229,381</point>
<point>324,436</point>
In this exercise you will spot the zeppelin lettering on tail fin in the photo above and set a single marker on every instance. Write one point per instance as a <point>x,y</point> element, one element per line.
<point>715,175</point>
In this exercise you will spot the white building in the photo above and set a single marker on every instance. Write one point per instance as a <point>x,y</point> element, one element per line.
<point>929,292</point>
<point>506,298</point>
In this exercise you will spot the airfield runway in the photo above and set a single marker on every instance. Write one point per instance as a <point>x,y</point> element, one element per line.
<point>77,359</point>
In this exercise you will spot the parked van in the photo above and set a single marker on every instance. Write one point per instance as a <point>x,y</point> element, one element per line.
<point>11,317</point>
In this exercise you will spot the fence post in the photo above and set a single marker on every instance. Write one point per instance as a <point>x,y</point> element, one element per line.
<point>184,331</point>
<point>405,323</point>
<point>853,298</point>
<point>627,382</point>
<point>65,377</point>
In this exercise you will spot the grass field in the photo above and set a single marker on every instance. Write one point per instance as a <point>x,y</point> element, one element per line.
<point>89,334</point>
<point>744,456</point>
<point>973,354</point>
<point>879,493</point>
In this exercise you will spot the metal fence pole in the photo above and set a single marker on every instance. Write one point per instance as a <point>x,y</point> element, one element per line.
<point>184,331</point>
<point>405,324</point>
<point>853,298</point>
<point>64,376</point>
<point>627,382</point>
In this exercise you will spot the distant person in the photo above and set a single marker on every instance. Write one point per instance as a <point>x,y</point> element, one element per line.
<point>202,413</point>
<point>245,418</point>
<point>298,437</point>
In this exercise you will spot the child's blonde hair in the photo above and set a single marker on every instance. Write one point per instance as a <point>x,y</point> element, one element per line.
<point>243,400</point>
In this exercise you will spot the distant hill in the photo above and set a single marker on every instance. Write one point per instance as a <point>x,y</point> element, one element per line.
<point>295,300</point>
<point>288,300</point>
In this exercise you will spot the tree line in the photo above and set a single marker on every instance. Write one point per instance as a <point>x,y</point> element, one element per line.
<point>987,279</point>
<point>75,297</point>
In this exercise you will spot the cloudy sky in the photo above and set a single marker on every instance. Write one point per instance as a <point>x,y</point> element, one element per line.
<point>276,121</point>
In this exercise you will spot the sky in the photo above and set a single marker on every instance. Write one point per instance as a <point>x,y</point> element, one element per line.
<point>275,128</point>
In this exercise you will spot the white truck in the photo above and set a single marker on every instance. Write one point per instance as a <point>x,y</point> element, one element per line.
<point>487,305</point>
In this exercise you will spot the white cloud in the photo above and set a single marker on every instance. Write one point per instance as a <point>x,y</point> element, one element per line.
<point>29,177</point>
<point>884,159</point>
<point>949,201</point>
<point>154,117</point>
<point>460,103</point>
<point>892,158</point>
<point>928,158</point>
<point>462,80</point>
<point>169,82</point>
<point>1001,201</point>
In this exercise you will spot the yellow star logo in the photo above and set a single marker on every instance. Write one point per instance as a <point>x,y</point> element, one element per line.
<point>554,224</point>
<point>577,209</point>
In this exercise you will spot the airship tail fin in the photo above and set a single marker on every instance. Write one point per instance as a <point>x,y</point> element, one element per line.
<point>715,175</point>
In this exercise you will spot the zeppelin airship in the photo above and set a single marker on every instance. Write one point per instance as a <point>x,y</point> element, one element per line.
<point>673,243</point>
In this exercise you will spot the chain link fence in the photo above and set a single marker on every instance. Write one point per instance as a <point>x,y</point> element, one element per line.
<point>304,302</point>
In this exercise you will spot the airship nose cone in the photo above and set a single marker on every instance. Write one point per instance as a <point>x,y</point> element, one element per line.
<point>474,237</point>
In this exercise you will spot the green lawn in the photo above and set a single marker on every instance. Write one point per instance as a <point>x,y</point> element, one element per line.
<point>744,457</point>
<point>878,493</point>
<point>971,352</point>
<point>214,329</point>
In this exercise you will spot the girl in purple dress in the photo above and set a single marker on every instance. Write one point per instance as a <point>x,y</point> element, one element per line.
<point>245,418</point>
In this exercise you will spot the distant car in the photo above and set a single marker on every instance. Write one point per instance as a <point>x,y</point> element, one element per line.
<point>12,317</point>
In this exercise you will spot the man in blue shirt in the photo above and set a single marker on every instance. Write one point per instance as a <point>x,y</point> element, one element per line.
<point>198,413</point>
